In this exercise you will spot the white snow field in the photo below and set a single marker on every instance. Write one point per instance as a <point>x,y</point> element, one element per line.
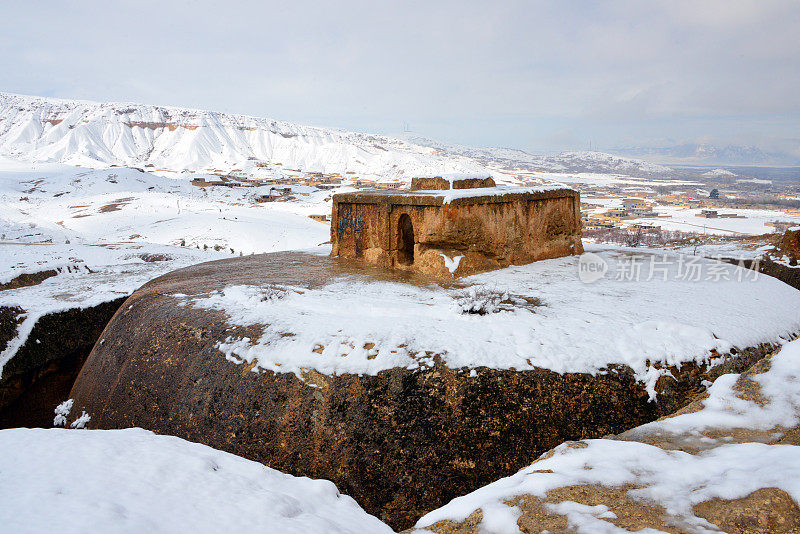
<point>134,481</point>
<point>650,307</point>
<point>749,222</point>
<point>107,232</point>
<point>126,205</point>
<point>674,479</point>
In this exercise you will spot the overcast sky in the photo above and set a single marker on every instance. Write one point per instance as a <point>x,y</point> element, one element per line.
<point>540,76</point>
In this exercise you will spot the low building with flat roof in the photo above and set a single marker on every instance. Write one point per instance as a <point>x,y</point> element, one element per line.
<point>458,225</point>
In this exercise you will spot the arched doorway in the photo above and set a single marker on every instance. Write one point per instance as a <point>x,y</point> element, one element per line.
<point>405,240</point>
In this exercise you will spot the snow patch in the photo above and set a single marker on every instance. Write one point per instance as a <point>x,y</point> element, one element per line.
<point>451,264</point>
<point>81,421</point>
<point>132,480</point>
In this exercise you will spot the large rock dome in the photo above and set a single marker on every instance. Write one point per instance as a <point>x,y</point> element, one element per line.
<point>409,392</point>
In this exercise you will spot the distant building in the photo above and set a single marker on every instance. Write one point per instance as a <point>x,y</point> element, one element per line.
<point>275,194</point>
<point>647,228</point>
<point>202,182</point>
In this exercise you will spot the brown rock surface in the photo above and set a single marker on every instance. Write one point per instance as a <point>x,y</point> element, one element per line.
<point>401,443</point>
<point>437,182</point>
<point>41,372</point>
<point>790,245</point>
<point>767,510</point>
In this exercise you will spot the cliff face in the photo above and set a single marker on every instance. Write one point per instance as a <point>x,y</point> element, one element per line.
<point>42,371</point>
<point>790,246</point>
<point>401,441</point>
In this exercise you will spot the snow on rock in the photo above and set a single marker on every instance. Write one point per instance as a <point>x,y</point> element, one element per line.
<point>62,412</point>
<point>685,309</point>
<point>81,421</point>
<point>772,402</point>
<point>673,479</point>
<point>88,275</point>
<point>731,466</point>
<point>451,194</point>
<point>135,481</point>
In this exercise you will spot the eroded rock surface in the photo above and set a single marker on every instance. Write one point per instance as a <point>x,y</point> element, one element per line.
<point>675,475</point>
<point>401,442</point>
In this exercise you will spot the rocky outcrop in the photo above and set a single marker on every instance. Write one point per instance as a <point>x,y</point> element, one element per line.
<point>781,261</point>
<point>42,371</point>
<point>790,246</point>
<point>568,506</point>
<point>28,279</point>
<point>785,273</point>
<point>401,442</point>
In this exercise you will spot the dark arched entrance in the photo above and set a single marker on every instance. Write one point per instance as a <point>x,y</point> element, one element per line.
<point>405,240</point>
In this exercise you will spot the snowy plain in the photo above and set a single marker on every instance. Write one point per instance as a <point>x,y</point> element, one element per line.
<point>134,481</point>
<point>750,221</point>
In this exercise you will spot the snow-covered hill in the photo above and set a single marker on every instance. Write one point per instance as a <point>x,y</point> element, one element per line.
<point>176,139</point>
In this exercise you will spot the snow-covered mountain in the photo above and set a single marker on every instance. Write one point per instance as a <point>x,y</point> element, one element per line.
<point>176,139</point>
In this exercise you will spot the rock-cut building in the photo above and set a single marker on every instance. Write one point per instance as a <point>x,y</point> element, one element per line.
<point>459,225</point>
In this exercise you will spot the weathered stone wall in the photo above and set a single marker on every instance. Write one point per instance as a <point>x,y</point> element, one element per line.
<point>361,231</point>
<point>489,234</point>
<point>435,183</point>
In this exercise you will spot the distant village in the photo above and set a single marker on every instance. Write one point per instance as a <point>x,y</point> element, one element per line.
<point>640,208</point>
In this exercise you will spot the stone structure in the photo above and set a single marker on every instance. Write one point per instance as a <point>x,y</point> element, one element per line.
<point>459,226</point>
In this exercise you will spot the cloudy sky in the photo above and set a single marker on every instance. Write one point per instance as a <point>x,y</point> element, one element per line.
<point>541,76</point>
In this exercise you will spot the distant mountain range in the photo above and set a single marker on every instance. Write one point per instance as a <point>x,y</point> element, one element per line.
<point>162,138</point>
<point>705,154</point>
<point>565,162</point>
